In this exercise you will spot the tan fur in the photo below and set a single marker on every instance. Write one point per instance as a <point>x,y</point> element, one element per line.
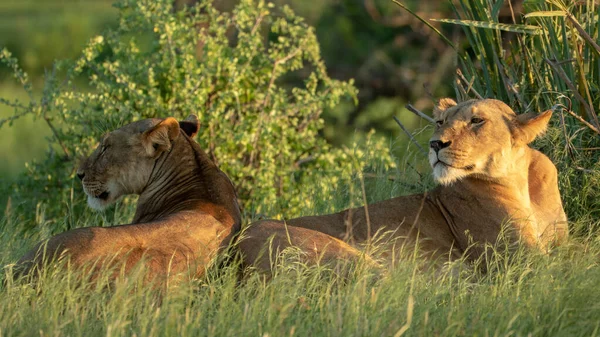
<point>187,209</point>
<point>488,175</point>
<point>264,241</point>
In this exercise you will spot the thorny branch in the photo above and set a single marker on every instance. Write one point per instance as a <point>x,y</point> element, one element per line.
<point>419,113</point>
<point>266,100</point>
<point>468,83</point>
<point>273,77</point>
<point>412,138</point>
<point>589,109</point>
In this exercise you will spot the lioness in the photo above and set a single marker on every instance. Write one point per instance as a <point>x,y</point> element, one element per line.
<point>488,176</point>
<point>187,208</point>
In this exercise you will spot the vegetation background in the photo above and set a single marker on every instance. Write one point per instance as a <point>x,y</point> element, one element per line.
<point>393,58</point>
<point>550,60</point>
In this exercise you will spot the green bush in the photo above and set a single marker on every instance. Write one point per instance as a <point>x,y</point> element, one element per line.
<point>225,67</point>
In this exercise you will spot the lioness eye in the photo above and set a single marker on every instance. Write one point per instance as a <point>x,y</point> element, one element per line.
<point>476,120</point>
<point>439,123</point>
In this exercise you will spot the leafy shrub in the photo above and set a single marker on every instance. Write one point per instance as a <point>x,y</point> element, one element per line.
<point>225,67</point>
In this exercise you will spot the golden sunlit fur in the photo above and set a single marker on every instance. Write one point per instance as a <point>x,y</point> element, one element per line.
<point>187,208</point>
<point>263,242</point>
<point>488,177</point>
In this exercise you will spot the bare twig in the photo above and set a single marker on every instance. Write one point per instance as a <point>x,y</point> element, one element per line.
<point>582,120</point>
<point>463,93</point>
<point>561,73</point>
<point>302,161</point>
<point>374,175</point>
<point>468,83</point>
<point>584,169</point>
<point>393,178</point>
<point>583,33</point>
<point>569,146</point>
<point>257,24</point>
<point>60,142</point>
<point>412,138</point>
<point>416,220</point>
<point>419,113</point>
<point>266,100</point>
<point>273,77</point>
<point>18,114</point>
<point>366,207</point>
<point>426,23</point>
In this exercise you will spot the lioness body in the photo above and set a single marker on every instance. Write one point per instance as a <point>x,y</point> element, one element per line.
<point>489,177</point>
<point>180,243</point>
<point>263,241</point>
<point>440,219</point>
<point>187,209</point>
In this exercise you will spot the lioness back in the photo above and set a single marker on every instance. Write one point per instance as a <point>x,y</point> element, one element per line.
<point>187,208</point>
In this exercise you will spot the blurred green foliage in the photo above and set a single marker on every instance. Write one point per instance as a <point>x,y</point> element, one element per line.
<point>40,31</point>
<point>24,140</point>
<point>391,57</point>
<point>158,63</point>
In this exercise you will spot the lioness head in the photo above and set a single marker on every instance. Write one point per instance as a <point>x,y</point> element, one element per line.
<point>479,137</point>
<point>125,158</point>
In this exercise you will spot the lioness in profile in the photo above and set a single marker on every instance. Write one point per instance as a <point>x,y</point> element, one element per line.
<point>187,209</point>
<point>489,176</point>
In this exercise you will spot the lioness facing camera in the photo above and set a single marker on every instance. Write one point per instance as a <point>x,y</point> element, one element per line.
<point>489,177</point>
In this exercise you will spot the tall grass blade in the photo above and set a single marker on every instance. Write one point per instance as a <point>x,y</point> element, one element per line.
<point>426,23</point>
<point>545,14</point>
<point>515,28</point>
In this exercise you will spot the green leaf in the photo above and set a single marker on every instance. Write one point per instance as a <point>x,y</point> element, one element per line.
<point>544,14</point>
<point>525,29</point>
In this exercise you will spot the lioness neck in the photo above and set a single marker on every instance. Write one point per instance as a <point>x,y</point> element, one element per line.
<point>185,179</point>
<point>499,199</point>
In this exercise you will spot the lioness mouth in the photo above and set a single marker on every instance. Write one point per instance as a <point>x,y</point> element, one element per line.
<point>467,168</point>
<point>103,195</point>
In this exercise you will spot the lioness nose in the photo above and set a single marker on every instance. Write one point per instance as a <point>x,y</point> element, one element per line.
<point>437,145</point>
<point>80,175</point>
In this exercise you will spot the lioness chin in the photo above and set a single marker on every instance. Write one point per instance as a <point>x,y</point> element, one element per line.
<point>488,177</point>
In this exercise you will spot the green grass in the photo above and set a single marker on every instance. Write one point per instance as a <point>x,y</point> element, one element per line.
<point>553,295</point>
<point>539,296</point>
<point>522,294</point>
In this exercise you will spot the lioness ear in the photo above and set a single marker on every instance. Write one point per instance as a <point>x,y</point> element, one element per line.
<point>530,125</point>
<point>443,105</point>
<point>159,138</point>
<point>190,125</point>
